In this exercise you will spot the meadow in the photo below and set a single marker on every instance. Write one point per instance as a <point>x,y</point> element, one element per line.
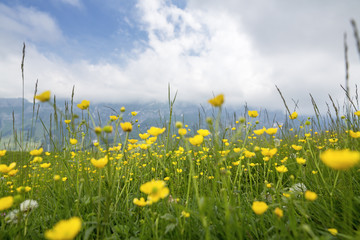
<point>243,180</point>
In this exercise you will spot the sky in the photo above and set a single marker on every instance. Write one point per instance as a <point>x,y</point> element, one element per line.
<point>124,51</point>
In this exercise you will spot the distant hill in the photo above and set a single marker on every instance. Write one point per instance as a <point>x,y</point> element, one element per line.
<point>39,116</point>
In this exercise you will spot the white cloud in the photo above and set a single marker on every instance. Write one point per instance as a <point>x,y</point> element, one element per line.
<point>198,50</point>
<point>75,3</point>
<point>27,24</point>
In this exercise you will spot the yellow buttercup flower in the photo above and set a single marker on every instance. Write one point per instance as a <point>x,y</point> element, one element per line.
<point>155,189</point>
<point>334,231</point>
<point>134,113</point>
<point>354,134</point>
<point>113,118</point>
<point>182,131</point>
<point>196,140</point>
<point>253,114</point>
<point>73,141</point>
<point>340,159</point>
<point>300,161</point>
<point>310,196</point>
<point>141,202</point>
<point>36,152</point>
<point>84,104</point>
<point>217,101</point>
<point>259,207</point>
<point>279,212</point>
<point>271,131</point>
<point>203,132</point>
<point>43,97</point>
<point>297,148</point>
<point>6,169</point>
<point>154,131</point>
<point>45,165</point>
<point>281,169</point>
<point>6,202</point>
<point>267,152</point>
<point>126,126</point>
<point>357,113</point>
<point>185,214</point>
<point>2,153</point>
<point>144,136</point>
<point>294,115</point>
<point>260,131</point>
<point>56,177</point>
<point>99,163</point>
<point>64,229</point>
<point>67,121</point>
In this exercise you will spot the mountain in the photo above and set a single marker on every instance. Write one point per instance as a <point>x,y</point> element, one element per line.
<point>42,120</point>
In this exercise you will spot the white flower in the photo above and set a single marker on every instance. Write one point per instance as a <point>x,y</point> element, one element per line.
<point>12,217</point>
<point>28,205</point>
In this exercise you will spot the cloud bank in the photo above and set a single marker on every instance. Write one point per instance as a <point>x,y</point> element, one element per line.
<point>202,49</point>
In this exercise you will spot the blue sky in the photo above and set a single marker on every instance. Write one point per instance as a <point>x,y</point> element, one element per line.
<point>129,50</point>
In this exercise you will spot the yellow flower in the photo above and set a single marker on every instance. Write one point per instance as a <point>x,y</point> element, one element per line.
<point>36,152</point>
<point>113,118</point>
<point>217,101</point>
<point>141,202</point>
<point>357,113</point>
<point>67,121</point>
<point>248,154</point>
<point>301,161</point>
<point>271,131</point>
<point>334,231</point>
<point>2,153</point>
<point>259,207</point>
<point>133,141</point>
<point>155,189</point>
<point>122,109</point>
<point>84,104</point>
<point>6,169</point>
<point>64,179</point>
<point>6,203</point>
<point>253,114</point>
<point>134,113</point>
<point>98,130</point>
<point>154,131</point>
<point>281,169</point>
<point>294,115</point>
<point>311,196</point>
<point>297,148</point>
<point>185,214</point>
<point>279,212</point>
<point>73,141</point>
<point>64,229</point>
<point>196,140</point>
<point>182,131</point>
<point>126,126</point>
<point>340,159</point>
<point>56,177</point>
<point>267,152</point>
<point>45,165</point>
<point>144,136</point>
<point>260,131</point>
<point>99,163</point>
<point>43,97</point>
<point>203,132</point>
<point>13,172</point>
<point>354,134</point>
